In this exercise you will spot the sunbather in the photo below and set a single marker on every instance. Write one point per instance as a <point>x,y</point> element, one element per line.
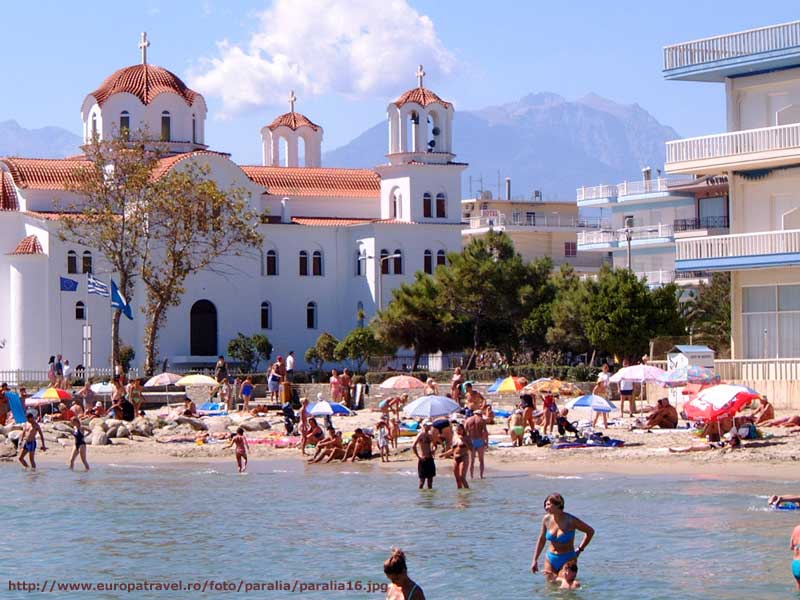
<point>664,416</point>
<point>733,443</point>
<point>323,445</point>
<point>793,421</point>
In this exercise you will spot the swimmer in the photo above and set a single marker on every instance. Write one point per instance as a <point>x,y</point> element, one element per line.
<point>28,440</point>
<point>241,449</point>
<point>567,579</point>
<point>776,501</point>
<point>558,528</point>
<point>80,444</point>
<point>423,450</point>
<point>402,587</point>
<point>479,436</point>
<point>460,452</point>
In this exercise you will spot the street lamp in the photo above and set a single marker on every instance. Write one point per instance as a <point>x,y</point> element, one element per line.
<point>628,237</point>
<point>381,260</point>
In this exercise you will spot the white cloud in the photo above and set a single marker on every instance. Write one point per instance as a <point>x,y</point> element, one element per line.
<point>352,47</point>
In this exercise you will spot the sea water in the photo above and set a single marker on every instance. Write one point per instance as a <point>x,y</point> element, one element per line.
<point>289,524</point>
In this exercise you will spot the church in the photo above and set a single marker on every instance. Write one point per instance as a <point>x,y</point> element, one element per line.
<point>336,241</point>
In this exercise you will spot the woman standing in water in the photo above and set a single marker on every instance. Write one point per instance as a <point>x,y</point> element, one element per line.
<point>794,545</point>
<point>402,587</point>
<point>558,528</point>
<point>460,452</point>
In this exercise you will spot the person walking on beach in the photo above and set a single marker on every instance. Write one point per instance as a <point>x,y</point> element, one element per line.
<point>475,427</point>
<point>274,379</point>
<point>460,452</point>
<point>247,393</point>
<point>240,441</point>
<point>601,389</point>
<point>626,393</point>
<point>28,440</point>
<point>382,435</point>
<point>558,529</point>
<point>455,385</point>
<point>336,386</point>
<point>80,444</point>
<point>51,371</point>
<point>59,370</point>
<point>423,450</point>
<point>290,366</point>
<point>402,587</point>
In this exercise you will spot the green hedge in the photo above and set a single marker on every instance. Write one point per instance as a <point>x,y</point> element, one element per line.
<point>530,372</point>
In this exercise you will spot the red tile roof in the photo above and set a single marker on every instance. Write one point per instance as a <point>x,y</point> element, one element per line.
<point>29,245</point>
<point>422,96</point>
<point>293,120</point>
<point>167,163</point>
<point>145,82</point>
<point>316,181</point>
<point>44,173</point>
<point>8,193</point>
<point>343,221</point>
<point>52,215</point>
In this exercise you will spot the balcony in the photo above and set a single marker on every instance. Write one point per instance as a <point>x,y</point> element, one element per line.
<point>762,148</point>
<point>491,219</point>
<point>713,223</point>
<point>718,57</point>
<point>738,251</point>
<point>614,238</point>
<point>598,195</point>
<point>606,195</point>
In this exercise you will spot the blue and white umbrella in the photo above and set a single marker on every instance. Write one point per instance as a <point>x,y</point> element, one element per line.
<point>324,408</point>
<point>593,401</point>
<point>428,407</point>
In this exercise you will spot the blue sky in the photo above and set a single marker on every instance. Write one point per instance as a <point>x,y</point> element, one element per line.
<point>347,60</point>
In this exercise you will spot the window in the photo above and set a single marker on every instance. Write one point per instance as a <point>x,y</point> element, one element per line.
<point>770,321</point>
<point>441,206</point>
<point>311,315</point>
<point>398,262</point>
<point>441,258</point>
<point>427,262</point>
<point>359,266</point>
<point>80,311</point>
<point>316,263</point>
<point>360,314</point>
<point>570,248</point>
<point>72,262</point>
<point>87,262</point>
<point>194,129</point>
<point>94,126</point>
<point>266,315</point>
<point>303,263</point>
<point>384,262</point>
<point>272,262</point>
<point>165,127</point>
<point>124,124</point>
<point>427,209</point>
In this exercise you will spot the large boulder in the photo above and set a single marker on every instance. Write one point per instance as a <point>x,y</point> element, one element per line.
<point>62,426</point>
<point>141,426</point>
<point>196,424</point>
<point>255,424</point>
<point>215,424</point>
<point>123,432</point>
<point>111,432</point>
<point>98,422</point>
<point>99,438</point>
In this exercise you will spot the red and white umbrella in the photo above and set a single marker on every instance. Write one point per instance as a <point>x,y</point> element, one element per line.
<point>719,401</point>
<point>638,373</point>
<point>402,382</point>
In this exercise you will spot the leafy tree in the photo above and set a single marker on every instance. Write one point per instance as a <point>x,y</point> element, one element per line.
<point>250,351</point>
<point>709,315</point>
<point>191,225</point>
<point>568,312</point>
<point>126,356</point>
<point>414,318</point>
<point>537,300</point>
<point>117,177</point>
<point>324,350</point>
<point>360,345</point>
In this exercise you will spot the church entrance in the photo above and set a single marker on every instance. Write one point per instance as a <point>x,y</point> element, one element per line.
<point>203,329</point>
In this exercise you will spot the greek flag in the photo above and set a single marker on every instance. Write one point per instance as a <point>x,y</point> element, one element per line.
<point>95,286</point>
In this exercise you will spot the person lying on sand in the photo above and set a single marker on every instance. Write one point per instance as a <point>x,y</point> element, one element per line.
<point>664,416</point>
<point>793,421</point>
<point>733,443</point>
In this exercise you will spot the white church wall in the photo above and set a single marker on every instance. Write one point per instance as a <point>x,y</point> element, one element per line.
<point>321,206</point>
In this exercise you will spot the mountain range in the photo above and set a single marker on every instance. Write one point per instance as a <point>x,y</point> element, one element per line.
<point>45,142</point>
<point>542,141</point>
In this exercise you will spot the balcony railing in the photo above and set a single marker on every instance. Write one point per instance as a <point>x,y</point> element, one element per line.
<point>643,232</point>
<point>765,139</point>
<point>536,220</point>
<point>597,192</point>
<point>742,244</point>
<point>649,186</point>
<point>701,223</point>
<point>732,45</point>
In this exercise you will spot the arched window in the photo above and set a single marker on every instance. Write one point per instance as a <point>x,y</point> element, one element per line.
<point>303,263</point>
<point>94,125</point>
<point>441,258</point>
<point>72,262</point>
<point>311,315</point>
<point>427,206</point>
<point>124,124</point>
<point>87,262</point>
<point>396,204</point>
<point>441,206</point>
<point>427,262</point>
<point>384,262</point>
<point>266,315</point>
<point>80,311</point>
<point>360,314</point>
<point>166,134</point>
<point>194,129</point>
<point>398,262</point>
<point>316,263</point>
<point>360,259</point>
<point>272,262</point>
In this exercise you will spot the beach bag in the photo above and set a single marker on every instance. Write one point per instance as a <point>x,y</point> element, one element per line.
<point>748,431</point>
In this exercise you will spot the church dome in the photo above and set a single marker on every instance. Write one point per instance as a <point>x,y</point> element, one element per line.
<point>145,82</point>
<point>422,96</point>
<point>293,120</point>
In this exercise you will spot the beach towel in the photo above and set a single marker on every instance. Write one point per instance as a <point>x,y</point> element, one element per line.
<point>503,414</point>
<point>611,443</point>
<point>17,409</point>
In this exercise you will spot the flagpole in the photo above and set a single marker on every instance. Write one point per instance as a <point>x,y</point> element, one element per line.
<point>60,319</point>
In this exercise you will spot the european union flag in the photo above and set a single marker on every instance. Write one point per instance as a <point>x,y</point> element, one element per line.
<point>68,285</point>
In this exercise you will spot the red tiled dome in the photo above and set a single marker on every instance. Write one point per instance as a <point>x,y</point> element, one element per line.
<point>422,96</point>
<point>145,82</point>
<point>293,120</point>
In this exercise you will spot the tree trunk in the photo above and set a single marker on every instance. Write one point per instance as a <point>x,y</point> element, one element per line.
<point>152,338</point>
<point>415,363</point>
<point>115,339</point>
<point>594,353</point>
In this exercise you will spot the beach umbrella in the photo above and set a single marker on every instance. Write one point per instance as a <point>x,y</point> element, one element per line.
<point>163,379</point>
<point>52,394</point>
<point>464,385</point>
<point>719,401</point>
<point>325,408</point>
<point>493,388</point>
<point>196,380</point>
<point>593,401</point>
<point>686,375</point>
<point>546,385</point>
<point>104,388</point>
<point>430,406</point>
<point>402,382</point>
<point>638,373</point>
<point>511,384</point>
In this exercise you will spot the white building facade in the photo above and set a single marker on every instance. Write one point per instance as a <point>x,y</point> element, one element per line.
<point>336,241</point>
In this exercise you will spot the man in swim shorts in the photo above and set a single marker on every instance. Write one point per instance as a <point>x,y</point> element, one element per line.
<point>28,441</point>
<point>479,435</point>
<point>423,449</point>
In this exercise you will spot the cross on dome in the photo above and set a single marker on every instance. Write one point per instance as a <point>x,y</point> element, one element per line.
<point>144,43</point>
<point>292,100</point>
<point>420,75</point>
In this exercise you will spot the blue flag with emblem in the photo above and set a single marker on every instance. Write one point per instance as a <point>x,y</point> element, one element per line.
<point>68,285</point>
<point>119,301</point>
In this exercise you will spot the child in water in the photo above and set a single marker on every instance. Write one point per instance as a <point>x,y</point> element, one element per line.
<point>241,449</point>
<point>567,577</point>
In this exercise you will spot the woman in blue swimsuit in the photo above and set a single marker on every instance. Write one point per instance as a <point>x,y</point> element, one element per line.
<point>558,528</point>
<point>402,586</point>
<point>80,444</point>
